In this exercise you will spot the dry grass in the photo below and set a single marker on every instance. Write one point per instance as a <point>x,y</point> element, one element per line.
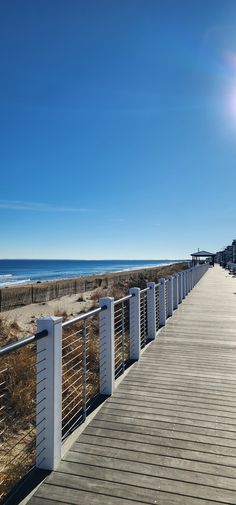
<point>17,392</point>
<point>61,313</point>
<point>80,299</point>
<point>97,294</point>
<point>121,288</point>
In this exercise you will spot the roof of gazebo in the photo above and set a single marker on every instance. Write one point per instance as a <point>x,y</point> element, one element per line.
<point>203,253</point>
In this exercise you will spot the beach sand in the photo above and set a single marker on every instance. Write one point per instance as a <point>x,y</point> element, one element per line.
<point>68,306</point>
<point>21,321</point>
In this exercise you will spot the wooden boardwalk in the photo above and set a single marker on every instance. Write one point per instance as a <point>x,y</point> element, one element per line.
<point>168,434</point>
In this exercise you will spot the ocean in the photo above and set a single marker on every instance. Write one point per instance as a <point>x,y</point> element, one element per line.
<point>17,272</point>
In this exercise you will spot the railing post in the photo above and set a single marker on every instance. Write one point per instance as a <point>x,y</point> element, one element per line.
<point>175,292</point>
<point>107,346</point>
<point>134,308</point>
<point>170,296</point>
<point>49,393</point>
<point>187,279</point>
<point>180,287</point>
<point>191,279</point>
<point>151,311</point>
<point>194,276</point>
<point>183,284</point>
<point>162,302</point>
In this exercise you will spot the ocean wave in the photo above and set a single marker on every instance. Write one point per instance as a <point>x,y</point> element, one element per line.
<point>14,283</point>
<point>3,276</point>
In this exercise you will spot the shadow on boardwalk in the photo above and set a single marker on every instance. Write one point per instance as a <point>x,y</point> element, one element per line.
<point>168,434</point>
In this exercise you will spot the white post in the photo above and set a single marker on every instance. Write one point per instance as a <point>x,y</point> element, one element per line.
<point>49,393</point>
<point>151,311</point>
<point>184,283</point>
<point>162,302</point>
<point>191,278</point>
<point>187,281</point>
<point>134,308</point>
<point>175,291</point>
<point>180,285</point>
<point>107,347</point>
<point>170,296</point>
<point>194,276</point>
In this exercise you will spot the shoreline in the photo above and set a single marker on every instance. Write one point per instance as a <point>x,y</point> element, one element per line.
<point>38,292</point>
<point>20,316</point>
<point>29,282</point>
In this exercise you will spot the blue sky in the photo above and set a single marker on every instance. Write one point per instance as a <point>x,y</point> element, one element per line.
<point>118,128</point>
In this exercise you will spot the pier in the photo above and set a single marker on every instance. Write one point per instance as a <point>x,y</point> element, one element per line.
<point>167,435</point>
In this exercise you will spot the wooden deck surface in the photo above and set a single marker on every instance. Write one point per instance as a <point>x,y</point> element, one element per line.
<point>168,434</point>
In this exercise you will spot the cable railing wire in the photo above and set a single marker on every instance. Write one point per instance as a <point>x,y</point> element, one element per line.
<point>166,296</point>
<point>80,369</point>
<point>143,317</point>
<point>157,305</point>
<point>121,334</point>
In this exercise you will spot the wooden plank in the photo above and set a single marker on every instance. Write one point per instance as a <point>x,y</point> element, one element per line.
<point>36,500</point>
<point>153,459</point>
<point>176,452</point>
<point>154,470</point>
<point>181,406</point>
<point>171,417</point>
<point>169,395</point>
<point>114,417</point>
<point>141,480</point>
<point>72,488</point>
<point>172,400</point>
<point>140,435</point>
<point>69,494</point>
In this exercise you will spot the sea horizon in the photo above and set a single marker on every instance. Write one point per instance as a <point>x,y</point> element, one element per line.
<point>15,272</point>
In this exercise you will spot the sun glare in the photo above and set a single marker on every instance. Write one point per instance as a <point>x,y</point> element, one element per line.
<point>231,105</point>
<point>230,60</point>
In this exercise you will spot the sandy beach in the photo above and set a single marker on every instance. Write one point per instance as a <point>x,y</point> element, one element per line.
<point>66,306</point>
<point>21,321</point>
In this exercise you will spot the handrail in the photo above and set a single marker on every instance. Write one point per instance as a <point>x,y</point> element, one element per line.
<point>144,290</point>
<point>81,317</point>
<point>6,349</point>
<point>123,299</point>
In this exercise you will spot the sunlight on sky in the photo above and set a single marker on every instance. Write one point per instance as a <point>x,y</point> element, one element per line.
<point>230,59</point>
<point>232,104</point>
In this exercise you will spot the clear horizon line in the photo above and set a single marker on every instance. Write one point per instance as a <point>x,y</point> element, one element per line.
<point>94,259</point>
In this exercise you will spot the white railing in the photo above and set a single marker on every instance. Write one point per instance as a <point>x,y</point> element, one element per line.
<point>77,361</point>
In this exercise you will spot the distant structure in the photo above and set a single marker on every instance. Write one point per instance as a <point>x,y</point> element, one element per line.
<point>200,256</point>
<point>227,255</point>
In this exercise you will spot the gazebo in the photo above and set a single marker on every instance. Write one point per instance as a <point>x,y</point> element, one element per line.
<point>196,257</point>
